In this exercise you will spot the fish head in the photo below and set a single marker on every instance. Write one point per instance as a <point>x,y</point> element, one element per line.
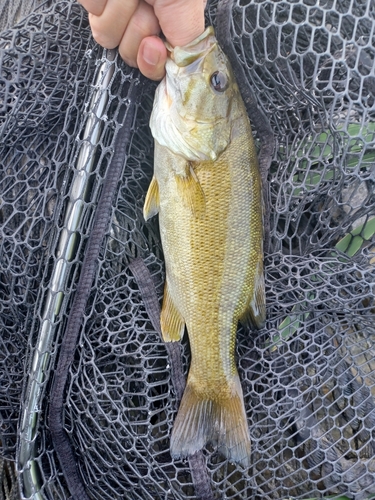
<point>198,102</point>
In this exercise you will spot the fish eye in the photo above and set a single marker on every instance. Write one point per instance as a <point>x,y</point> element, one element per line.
<point>219,81</point>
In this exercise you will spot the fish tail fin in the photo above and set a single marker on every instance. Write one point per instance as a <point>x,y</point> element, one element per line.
<point>223,423</point>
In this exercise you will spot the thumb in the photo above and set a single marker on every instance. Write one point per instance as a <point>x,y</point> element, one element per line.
<point>152,56</point>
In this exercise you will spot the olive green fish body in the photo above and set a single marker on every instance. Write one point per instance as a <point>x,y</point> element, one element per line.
<point>210,217</point>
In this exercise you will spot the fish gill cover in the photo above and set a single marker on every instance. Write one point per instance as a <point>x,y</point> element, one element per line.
<point>308,378</point>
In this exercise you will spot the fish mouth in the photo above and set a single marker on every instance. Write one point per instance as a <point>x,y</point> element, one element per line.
<point>196,49</point>
<point>202,123</point>
<point>205,122</point>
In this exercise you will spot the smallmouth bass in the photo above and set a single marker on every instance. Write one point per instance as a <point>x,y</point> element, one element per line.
<point>207,191</point>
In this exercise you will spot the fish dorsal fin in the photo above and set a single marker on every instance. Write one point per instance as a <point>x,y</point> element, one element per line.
<point>191,192</point>
<point>151,206</point>
<point>255,312</point>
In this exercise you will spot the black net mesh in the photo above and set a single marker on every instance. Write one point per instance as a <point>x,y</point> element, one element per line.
<point>308,377</point>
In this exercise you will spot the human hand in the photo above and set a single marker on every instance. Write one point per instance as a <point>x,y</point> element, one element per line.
<point>133,26</point>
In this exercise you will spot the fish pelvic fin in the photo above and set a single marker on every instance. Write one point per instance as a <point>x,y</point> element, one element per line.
<point>223,423</point>
<point>171,322</point>
<point>191,192</point>
<point>152,202</point>
<point>255,312</point>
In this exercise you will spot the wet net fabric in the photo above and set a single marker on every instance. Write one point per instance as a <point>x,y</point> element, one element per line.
<point>308,377</point>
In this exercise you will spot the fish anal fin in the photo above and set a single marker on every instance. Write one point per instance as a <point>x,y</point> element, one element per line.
<point>221,422</point>
<point>255,313</point>
<point>151,206</point>
<point>171,322</point>
<point>191,192</point>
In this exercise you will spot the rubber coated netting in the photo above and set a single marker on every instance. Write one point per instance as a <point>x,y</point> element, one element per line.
<point>73,115</point>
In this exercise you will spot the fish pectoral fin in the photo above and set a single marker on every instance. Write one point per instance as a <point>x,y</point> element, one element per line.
<point>191,192</point>
<point>255,313</point>
<point>171,322</point>
<point>201,420</point>
<point>152,202</point>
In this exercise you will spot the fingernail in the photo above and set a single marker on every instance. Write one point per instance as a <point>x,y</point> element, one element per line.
<point>151,55</point>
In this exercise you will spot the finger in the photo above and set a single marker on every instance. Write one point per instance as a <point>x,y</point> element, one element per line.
<point>152,56</point>
<point>143,23</point>
<point>108,28</point>
<point>181,20</point>
<point>95,7</point>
